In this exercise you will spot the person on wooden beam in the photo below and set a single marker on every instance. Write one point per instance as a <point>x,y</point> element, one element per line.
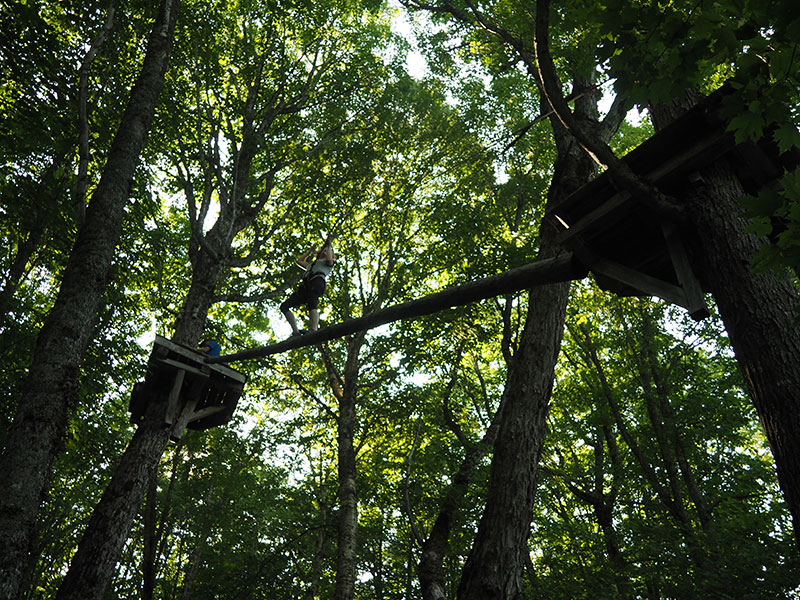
<point>311,287</point>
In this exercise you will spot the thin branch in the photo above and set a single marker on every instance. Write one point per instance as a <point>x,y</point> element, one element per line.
<point>79,200</point>
<point>298,382</point>
<point>418,539</point>
<point>334,378</point>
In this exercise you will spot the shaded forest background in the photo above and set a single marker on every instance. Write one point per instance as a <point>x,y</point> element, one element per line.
<point>418,135</point>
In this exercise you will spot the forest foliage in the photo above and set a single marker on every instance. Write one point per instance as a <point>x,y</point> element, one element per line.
<point>283,122</point>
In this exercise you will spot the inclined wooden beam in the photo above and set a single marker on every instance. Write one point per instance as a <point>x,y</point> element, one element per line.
<point>550,270</point>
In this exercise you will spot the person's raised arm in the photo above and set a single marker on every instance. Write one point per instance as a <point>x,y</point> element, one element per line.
<point>302,261</point>
<point>329,256</point>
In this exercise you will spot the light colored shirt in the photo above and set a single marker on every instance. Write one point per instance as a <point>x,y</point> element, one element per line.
<point>320,267</point>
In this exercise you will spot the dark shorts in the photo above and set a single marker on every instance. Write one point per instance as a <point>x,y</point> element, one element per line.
<point>308,293</point>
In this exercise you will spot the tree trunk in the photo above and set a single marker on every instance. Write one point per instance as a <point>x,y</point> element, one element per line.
<point>150,542</point>
<point>432,579</point>
<point>494,567</point>
<point>759,312</point>
<point>319,547</point>
<point>35,435</point>
<point>669,496</point>
<point>670,426</point>
<point>431,566</point>
<point>92,567</point>
<point>347,549</point>
<point>197,553</point>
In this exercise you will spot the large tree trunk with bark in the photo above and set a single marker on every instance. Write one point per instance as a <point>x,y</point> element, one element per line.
<point>759,311</point>
<point>495,565</point>
<point>92,567</point>
<point>35,435</point>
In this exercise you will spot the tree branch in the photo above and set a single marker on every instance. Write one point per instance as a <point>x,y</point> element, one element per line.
<point>621,174</point>
<point>79,200</point>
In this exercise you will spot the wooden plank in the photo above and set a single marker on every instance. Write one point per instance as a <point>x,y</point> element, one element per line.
<point>601,214</point>
<point>640,281</point>
<point>173,399</point>
<point>199,371</point>
<point>229,373</point>
<point>162,346</point>
<point>695,299</point>
<point>609,209</point>
<point>206,412</point>
<point>180,423</point>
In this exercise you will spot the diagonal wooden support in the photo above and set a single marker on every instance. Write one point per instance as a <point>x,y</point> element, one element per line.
<point>173,400</point>
<point>640,281</point>
<point>695,299</point>
<point>183,419</point>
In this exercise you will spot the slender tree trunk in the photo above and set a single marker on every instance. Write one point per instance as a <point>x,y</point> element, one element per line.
<point>603,512</point>
<point>191,573</point>
<point>494,567</point>
<point>671,428</point>
<point>669,496</point>
<point>432,579</point>
<point>319,547</point>
<point>431,563</point>
<point>347,549</point>
<point>93,565</point>
<point>50,391</point>
<point>197,553</point>
<point>759,312</point>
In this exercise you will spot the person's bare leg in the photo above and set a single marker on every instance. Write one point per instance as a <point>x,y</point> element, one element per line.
<point>292,321</point>
<point>314,319</point>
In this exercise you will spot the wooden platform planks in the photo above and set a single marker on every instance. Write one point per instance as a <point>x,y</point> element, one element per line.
<point>628,247</point>
<point>195,395</point>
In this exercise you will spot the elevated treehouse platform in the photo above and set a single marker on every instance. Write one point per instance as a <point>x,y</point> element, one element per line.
<point>632,251</point>
<point>194,394</point>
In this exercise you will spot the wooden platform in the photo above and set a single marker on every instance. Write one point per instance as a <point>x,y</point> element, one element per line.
<point>629,249</point>
<point>194,394</point>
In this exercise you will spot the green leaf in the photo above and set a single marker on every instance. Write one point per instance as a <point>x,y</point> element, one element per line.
<point>791,185</point>
<point>760,226</point>
<point>747,126</point>
<point>764,204</point>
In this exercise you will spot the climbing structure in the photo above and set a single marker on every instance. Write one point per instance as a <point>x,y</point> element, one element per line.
<point>193,394</point>
<point>631,249</point>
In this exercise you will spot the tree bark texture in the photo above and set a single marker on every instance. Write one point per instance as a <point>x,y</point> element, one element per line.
<point>150,542</point>
<point>92,567</point>
<point>494,567</point>
<point>347,548</point>
<point>759,311</point>
<point>50,390</point>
